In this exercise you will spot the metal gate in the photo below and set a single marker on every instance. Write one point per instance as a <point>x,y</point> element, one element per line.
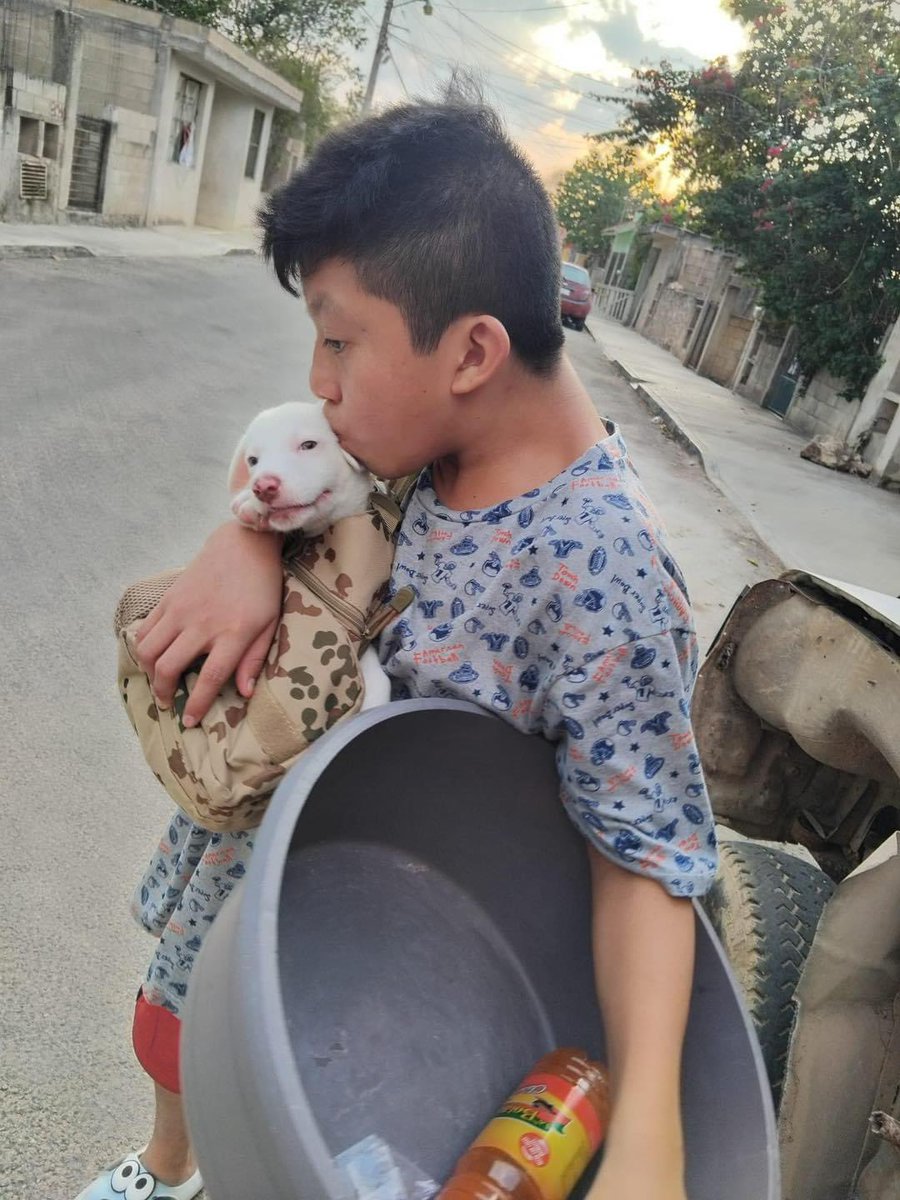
<point>89,164</point>
<point>783,387</point>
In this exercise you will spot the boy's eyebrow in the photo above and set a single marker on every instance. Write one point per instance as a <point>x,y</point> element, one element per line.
<point>318,304</point>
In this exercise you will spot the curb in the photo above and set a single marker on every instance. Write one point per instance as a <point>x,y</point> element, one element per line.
<point>681,435</point>
<point>672,424</point>
<point>42,251</point>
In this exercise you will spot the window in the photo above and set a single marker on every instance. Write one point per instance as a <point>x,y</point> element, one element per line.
<point>575,274</point>
<point>51,141</point>
<point>256,133</point>
<point>184,121</point>
<point>29,135</point>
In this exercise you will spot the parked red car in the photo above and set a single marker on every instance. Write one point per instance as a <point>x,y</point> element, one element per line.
<point>575,295</point>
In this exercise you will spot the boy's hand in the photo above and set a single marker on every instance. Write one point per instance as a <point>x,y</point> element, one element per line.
<point>226,605</point>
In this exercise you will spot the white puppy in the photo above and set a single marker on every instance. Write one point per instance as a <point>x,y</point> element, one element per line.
<point>289,472</point>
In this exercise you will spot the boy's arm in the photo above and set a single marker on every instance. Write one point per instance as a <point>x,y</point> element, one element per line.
<point>224,605</point>
<point>643,961</point>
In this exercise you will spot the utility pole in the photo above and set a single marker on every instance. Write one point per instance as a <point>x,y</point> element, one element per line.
<point>380,47</point>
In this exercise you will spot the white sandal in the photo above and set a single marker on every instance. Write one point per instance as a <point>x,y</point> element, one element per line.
<point>130,1180</point>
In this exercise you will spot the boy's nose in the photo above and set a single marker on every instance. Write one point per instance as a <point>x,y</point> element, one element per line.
<point>266,488</point>
<point>322,382</point>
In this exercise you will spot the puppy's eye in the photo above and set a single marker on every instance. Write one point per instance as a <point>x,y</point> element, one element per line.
<point>252,460</point>
<point>308,445</point>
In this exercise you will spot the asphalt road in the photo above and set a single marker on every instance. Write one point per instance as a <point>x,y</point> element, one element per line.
<point>123,388</point>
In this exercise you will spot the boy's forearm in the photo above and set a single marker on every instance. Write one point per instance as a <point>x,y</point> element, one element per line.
<point>644,963</point>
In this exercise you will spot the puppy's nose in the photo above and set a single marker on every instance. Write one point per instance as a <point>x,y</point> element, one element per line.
<point>266,488</point>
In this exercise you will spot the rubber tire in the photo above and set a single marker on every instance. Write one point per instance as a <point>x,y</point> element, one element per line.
<point>578,325</point>
<point>765,906</point>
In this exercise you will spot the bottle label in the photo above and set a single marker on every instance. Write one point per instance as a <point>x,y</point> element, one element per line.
<point>550,1129</point>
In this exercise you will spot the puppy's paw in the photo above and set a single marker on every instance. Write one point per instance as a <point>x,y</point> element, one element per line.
<point>250,511</point>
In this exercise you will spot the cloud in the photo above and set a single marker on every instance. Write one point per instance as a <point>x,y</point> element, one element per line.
<point>578,51</point>
<point>566,100</point>
<point>633,32</point>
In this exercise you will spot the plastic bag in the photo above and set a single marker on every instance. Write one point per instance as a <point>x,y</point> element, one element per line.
<point>378,1172</point>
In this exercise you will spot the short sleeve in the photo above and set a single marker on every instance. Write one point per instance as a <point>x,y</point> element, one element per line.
<point>629,770</point>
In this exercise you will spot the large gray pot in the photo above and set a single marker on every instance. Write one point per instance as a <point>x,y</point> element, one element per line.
<point>412,935</point>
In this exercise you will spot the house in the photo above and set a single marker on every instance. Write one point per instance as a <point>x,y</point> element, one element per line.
<point>692,298</point>
<point>118,114</point>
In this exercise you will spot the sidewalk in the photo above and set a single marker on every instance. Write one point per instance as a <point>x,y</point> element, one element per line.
<point>104,241</point>
<point>812,518</point>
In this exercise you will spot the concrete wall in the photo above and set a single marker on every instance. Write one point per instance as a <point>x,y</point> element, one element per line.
<point>41,105</point>
<point>669,322</point>
<point>118,67</point>
<point>821,411</point>
<point>227,199</point>
<point>724,355</point>
<point>176,188</point>
<point>129,164</point>
<point>26,40</point>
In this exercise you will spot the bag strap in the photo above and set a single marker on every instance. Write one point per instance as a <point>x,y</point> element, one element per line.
<point>402,489</point>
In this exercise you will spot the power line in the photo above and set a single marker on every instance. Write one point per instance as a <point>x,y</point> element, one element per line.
<point>555,82</point>
<point>543,8</point>
<point>522,50</point>
<point>590,126</point>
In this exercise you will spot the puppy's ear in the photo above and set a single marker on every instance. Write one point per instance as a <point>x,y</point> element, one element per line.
<point>354,462</point>
<point>238,472</point>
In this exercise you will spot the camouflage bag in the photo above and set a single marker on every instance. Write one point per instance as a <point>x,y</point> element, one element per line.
<point>223,771</point>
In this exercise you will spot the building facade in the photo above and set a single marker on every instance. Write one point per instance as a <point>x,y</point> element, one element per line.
<point>117,114</point>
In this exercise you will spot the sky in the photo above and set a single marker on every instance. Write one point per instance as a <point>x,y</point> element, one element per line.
<point>541,60</point>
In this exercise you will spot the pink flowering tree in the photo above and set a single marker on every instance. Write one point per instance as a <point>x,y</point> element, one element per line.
<point>792,157</point>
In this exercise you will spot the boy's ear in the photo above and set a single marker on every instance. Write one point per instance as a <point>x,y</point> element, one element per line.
<point>484,348</point>
<point>238,472</point>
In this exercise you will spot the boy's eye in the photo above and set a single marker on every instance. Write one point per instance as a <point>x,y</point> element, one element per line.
<point>308,445</point>
<point>252,460</point>
<point>334,344</point>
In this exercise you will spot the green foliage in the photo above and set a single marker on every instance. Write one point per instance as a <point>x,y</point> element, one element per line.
<point>274,27</point>
<point>601,189</point>
<point>793,160</point>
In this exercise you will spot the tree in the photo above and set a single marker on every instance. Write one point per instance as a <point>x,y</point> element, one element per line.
<point>793,160</point>
<point>274,27</point>
<point>601,189</point>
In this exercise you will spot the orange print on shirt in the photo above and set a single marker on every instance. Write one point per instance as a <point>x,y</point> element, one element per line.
<point>566,577</point>
<point>609,664</point>
<point>442,657</point>
<point>578,635</point>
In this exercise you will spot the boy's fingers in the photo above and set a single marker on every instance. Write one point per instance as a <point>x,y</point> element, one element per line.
<point>152,643</point>
<point>150,621</point>
<point>169,667</point>
<point>252,662</point>
<point>215,673</point>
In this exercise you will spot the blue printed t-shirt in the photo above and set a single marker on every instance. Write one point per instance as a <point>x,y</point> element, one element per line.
<point>563,612</point>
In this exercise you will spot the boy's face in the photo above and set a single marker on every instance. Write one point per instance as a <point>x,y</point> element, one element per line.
<point>390,407</point>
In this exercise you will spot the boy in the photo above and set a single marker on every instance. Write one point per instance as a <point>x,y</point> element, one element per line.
<point>428,256</point>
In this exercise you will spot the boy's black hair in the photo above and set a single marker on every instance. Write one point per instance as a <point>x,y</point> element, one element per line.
<point>438,213</point>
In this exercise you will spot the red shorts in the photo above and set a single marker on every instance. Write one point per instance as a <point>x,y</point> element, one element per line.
<point>156,1036</point>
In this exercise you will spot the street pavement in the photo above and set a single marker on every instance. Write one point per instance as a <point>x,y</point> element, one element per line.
<point>124,387</point>
<point>107,241</point>
<point>814,519</point>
